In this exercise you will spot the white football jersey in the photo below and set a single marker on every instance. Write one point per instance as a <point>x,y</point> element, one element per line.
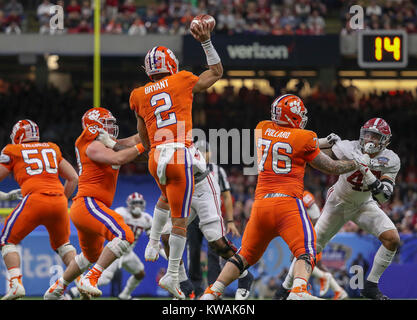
<point>137,225</point>
<point>349,186</point>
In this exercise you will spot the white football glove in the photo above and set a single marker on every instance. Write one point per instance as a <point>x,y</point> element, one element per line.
<point>11,195</point>
<point>329,141</point>
<point>105,138</point>
<point>362,160</point>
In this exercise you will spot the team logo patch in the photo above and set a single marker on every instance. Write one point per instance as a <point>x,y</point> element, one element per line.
<point>93,115</point>
<point>382,161</point>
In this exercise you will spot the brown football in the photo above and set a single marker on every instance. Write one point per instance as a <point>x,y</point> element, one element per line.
<point>204,17</point>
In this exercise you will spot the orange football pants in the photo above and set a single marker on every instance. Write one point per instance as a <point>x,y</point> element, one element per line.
<point>95,223</point>
<point>272,217</point>
<point>34,210</point>
<point>179,185</point>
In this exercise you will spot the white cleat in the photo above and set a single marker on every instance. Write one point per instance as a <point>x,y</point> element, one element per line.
<point>16,289</point>
<point>88,285</point>
<point>324,284</point>
<point>55,292</point>
<point>152,252</point>
<point>340,295</point>
<point>83,296</point>
<point>242,294</point>
<point>301,293</point>
<point>173,287</point>
<point>210,294</point>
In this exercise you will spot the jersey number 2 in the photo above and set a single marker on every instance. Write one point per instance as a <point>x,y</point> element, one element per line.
<point>165,106</point>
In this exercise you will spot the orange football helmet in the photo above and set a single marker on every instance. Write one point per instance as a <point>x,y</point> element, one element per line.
<point>25,131</point>
<point>289,111</point>
<point>101,116</point>
<point>160,60</point>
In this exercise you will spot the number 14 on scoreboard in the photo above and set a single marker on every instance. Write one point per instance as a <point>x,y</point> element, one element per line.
<point>382,49</point>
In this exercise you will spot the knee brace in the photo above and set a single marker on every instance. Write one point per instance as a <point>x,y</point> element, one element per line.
<point>82,262</point>
<point>7,248</point>
<point>237,261</point>
<point>308,258</point>
<point>64,249</point>
<point>224,248</point>
<point>118,246</point>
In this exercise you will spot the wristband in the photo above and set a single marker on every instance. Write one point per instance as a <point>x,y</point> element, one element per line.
<point>228,221</point>
<point>140,148</point>
<point>211,53</point>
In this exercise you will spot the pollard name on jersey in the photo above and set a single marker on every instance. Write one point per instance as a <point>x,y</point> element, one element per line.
<point>138,225</point>
<point>349,186</point>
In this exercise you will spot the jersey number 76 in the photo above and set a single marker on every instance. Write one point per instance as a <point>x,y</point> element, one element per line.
<point>276,156</point>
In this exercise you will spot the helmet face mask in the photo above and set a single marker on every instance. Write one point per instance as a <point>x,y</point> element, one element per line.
<point>25,131</point>
<point>136,204</point>
<point>375,134</point>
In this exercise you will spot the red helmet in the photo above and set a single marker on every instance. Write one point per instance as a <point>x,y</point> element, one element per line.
<point>377,131</point>
<point>136,203</point>
<point>102,116</point>
<point>289,111</point>
<point>25,131</point>
<point>160,60</point>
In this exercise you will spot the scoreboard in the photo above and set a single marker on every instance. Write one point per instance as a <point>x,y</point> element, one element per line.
<point>382,49</point>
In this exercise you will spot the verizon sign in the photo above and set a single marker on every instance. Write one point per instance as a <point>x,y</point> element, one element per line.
<point>257,51</point>
<point>266,51</point>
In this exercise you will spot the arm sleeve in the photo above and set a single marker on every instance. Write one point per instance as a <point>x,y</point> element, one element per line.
<point>341,148</point>
<point>393,168</point>
<point>311,146</point>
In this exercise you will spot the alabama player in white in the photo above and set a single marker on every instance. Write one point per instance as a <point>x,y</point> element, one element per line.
<point>139,221</point>
<point>356,195</point>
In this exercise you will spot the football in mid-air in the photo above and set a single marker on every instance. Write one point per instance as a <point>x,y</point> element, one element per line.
<point>204,17</point>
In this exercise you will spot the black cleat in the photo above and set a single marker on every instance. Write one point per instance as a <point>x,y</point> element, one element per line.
<point>187,288</point>
<point>243,287</point>
<point>371,291</point>
<point>281,293</point>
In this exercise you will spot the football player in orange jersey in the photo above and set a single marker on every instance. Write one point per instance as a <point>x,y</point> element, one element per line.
<point>36,166</point>
<point>326,278</point>
<point>284,148</point>
<point>90,211</point>
<point>164,119</point>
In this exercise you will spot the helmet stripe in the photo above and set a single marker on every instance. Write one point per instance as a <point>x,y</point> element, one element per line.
<point>280,98</point>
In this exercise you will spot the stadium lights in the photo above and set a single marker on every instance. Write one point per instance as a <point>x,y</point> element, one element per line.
<point>241,73</point>
<point>352,73</point>
<point>277,73</point>
<point>408,73</point>
<point>304,73</point>
<point>384,73</point>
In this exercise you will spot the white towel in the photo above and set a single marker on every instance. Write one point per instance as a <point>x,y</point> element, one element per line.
<point>166,151</point>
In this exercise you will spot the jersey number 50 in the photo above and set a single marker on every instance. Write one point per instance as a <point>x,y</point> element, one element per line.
<point>276,156</point>
<point>165,106</point>
<point>37,165</point>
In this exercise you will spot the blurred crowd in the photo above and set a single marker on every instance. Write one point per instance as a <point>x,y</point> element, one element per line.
<point>277,17</point>
<point>339,110</point>
<point>386,15</point>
